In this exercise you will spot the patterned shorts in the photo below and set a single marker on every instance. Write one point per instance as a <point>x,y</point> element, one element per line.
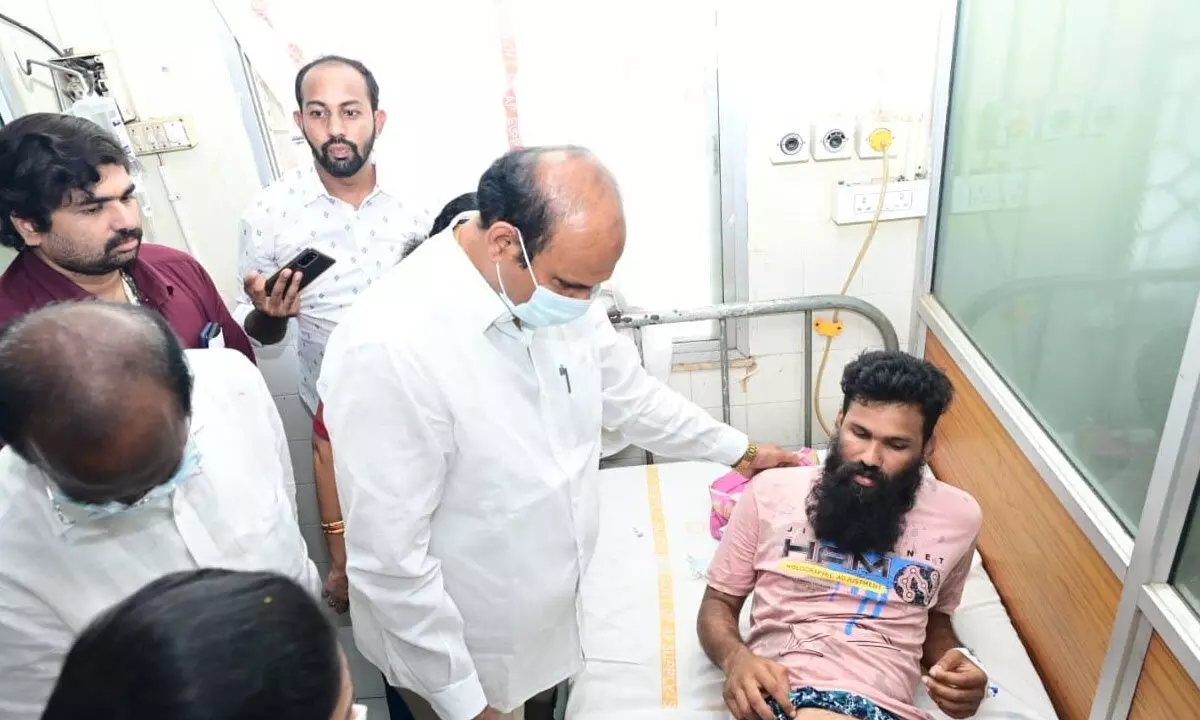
<point>838,701</point>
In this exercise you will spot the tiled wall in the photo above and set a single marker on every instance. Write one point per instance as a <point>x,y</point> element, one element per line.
<point>884,67</point>
<point>768,398</point>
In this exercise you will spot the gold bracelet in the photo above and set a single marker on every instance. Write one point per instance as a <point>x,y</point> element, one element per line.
<point>337,527</point>
<point>748,459</point>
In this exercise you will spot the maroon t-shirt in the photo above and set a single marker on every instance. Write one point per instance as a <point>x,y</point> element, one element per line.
<point>169,281</point>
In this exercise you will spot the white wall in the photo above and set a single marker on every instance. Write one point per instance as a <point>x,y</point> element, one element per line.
<point>862,58</point>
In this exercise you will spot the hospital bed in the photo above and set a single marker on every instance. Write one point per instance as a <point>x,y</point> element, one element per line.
<point>642,591</point>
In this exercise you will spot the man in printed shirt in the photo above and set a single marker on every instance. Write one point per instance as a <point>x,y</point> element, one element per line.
<point>338,206</point>
<point>128,459</point>
<point>855,567</point>
<point>67,206</point>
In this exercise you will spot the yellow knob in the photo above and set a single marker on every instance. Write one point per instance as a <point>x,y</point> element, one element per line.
<point>880,139</point>
<point>828,328</point>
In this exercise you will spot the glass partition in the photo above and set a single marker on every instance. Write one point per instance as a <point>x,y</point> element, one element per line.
<point>1068,245</point>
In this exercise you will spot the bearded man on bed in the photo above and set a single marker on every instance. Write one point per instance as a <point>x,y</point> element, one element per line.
<point>855,567</point>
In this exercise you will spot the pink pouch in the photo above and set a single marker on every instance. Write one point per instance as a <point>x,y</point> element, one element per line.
<point>724,492</point>
<point>727,490</point>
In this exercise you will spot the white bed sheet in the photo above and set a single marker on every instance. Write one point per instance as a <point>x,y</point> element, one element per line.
<point>623,676</point>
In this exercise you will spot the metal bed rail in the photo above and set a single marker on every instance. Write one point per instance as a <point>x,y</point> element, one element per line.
<point>762,308</point>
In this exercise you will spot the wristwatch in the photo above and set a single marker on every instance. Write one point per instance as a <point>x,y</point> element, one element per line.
<point>743,466</point>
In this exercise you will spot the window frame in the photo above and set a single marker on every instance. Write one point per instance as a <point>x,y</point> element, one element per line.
<point>1148,603</point>
<point>728,107</point>
<point>254,120</point>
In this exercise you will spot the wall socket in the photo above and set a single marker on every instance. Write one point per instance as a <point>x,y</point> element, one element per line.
<point>856,202</point>
<point>791,143</point>
<point>863,138</point>
<point>161,135</point>
<point>833,139</point>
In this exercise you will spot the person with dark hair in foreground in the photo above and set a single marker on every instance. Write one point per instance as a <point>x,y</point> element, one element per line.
<point>465,395</point>
<point>855,567</point>
<point>67,207</point>
<point>127,458</point>
<point>208,645</point>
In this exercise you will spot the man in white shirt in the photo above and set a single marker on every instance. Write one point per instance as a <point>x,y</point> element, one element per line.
<point>465,395</point>
<point>127,458</point>
<point>339,206</point>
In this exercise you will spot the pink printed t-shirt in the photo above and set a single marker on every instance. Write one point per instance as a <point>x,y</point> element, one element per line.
<point>837,622</point>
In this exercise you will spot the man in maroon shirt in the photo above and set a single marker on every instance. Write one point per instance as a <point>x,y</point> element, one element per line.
<point>67,207</point>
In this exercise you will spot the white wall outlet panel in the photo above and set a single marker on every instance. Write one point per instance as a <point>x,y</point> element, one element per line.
<point>856,202</point>
<point>862,138</point>
<point>833,139</point>
<point>161,135</point>
<point>791,143</point>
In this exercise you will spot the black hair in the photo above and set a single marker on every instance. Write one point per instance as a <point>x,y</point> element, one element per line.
<point>65,367</point>
<point>461,204</point>
<point>894,377</point>
<point>509,191</point>
<point>204,645</point>
<point>43,158</point>
<point>368,77</point>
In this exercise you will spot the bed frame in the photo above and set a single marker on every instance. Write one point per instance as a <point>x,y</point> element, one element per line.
<point>805,306</point>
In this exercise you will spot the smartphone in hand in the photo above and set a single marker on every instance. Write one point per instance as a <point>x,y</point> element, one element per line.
<point>310,262</point>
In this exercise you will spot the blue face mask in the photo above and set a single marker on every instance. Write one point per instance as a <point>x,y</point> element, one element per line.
<point>91,511</point>
<point>545,307</point>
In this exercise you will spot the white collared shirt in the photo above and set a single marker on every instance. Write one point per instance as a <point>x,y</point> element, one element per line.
<point>237,511</point>
<point>467,455</point>
<point>295,213</point>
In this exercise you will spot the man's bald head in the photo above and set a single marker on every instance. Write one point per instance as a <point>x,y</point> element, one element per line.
<point>96,392</point>
<point>537,189</point>
<point>564,202</point>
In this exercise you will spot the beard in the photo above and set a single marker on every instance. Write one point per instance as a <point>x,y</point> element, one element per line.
<point>342,167</point>
<point>110,260</point>
<point>859,519</point>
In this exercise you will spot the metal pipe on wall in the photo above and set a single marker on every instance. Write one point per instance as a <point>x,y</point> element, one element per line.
<point>723,313</point>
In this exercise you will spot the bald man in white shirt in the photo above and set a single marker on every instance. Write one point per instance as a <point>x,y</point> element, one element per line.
<point>127,458</point>
<point>465,396</point>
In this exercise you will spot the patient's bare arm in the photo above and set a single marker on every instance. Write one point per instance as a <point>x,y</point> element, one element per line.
<point>940,639</point>
<point>718,625</point>
<point>747,676</point>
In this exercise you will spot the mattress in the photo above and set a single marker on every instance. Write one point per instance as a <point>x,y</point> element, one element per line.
<point>642,591</point>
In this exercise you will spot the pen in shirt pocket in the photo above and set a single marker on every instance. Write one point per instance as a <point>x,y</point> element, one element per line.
<point>210,336</point>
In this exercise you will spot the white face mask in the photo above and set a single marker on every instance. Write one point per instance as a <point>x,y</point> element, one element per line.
<point>358,712</point>
<point>545,307</point>
<point>92,511</point>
